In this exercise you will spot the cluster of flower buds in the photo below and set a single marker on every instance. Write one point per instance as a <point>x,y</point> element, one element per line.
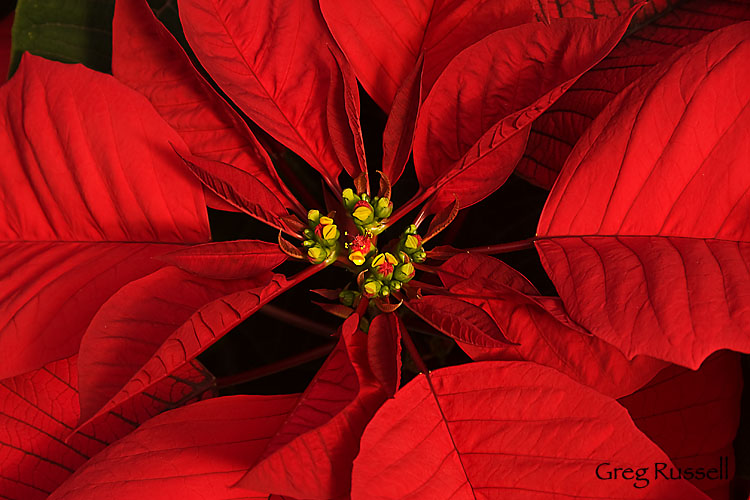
<point>411,244</point>
<point>321,237</point>
<point>387,274</point>
<point>368,213</point>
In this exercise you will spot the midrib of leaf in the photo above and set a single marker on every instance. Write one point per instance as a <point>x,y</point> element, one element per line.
<point>446,423</point>
<point>269,95</point>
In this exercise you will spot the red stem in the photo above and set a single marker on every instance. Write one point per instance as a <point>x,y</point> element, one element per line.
<point>411,204</point>
<point>512,246</point>
<point>278,366</point>
<point>414,353</point>
<point>296,320</point>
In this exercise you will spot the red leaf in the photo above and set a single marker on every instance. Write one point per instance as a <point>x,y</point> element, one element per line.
<point>239,188</point>
<point>191,453</point>
<point>458,319</point>
<point>554,134</point>
<point>184,341</point>
<point>652,259</point>
<point>38,410</point>
<point>535,435</point>
<point>541,329</point>
<point>148,59</point>
<point>469,266</point>
<point>594,9</point>
<point>85,204</point>
<point>383,41</point>
<point>338,310</point>
<point>398,135</point>
<point>283,87</point>
<point>311,455</point>
<point>441,220</point>
<point>471,129</point>
<point>693,416</point>
<point>346,141</point>
<point>384,350</point>
<point>134,323</point>
<point>227,260</point>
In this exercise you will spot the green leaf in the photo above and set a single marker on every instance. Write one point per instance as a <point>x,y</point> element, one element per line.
<point>64,30</point>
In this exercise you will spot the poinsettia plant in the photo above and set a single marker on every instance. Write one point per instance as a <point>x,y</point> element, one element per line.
<point>623,385</point>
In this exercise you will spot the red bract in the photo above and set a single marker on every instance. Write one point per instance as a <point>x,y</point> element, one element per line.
<point>534,435</point>
<point>555,133</point>
<point>39,411</point>
<point>650,267</point>
<point>654,261</point>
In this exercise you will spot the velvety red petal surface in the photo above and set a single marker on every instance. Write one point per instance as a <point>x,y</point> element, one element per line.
<point>472,128</point>
<point>227,259</point>
<point>654,260</point>
<point>535,435</point>
<point>398,135</point>
<point>384,40</point>
<point>283,87</point>
<point>459,319</point>
<point>384,350</point>
<point>238,188</point>
<point>190,328</point>
<point>191,453</point>
<point>90,194</point>
<point>148,59</point>
<point>540,328</point>
<point>39,410</point>
<point>133,324</point>
<point>311,455</point>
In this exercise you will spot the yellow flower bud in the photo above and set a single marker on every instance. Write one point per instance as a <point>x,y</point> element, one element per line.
<point>404,272</point>
<point>329,231</point>
<point>411,242</point>
<point>357,257</point>
<point>371,288</point>
<point>363,213</point>
<point>313,216</point>
<point>316,254</point>
<point>326,220</point>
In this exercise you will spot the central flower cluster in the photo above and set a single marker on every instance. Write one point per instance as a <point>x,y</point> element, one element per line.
<point>379,273</point>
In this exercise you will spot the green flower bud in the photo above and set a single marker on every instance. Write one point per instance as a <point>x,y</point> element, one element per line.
<point>404,273</point>
<point>347,297</point>
<point>419,256</point>
<point>363,213</point>
<point>313,216</point>
<point>364,324</point>
<point>412,243</point>
<point>383,208</point>
<point>316,254</point>
<point>349,198</point>
<point>372,287</point>
<point>330,233</point>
